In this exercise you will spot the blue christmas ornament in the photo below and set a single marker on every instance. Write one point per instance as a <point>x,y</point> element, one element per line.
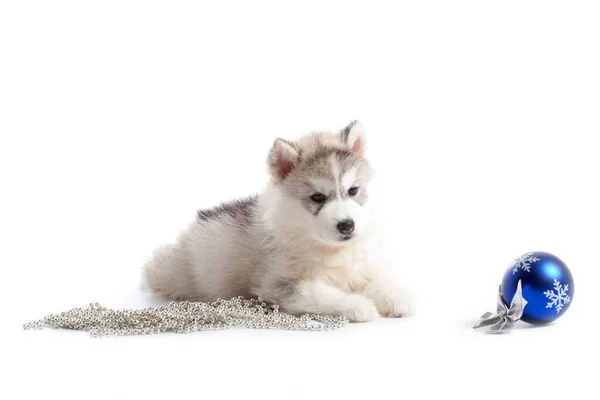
<point>547,286</point>
<point>537,288</point>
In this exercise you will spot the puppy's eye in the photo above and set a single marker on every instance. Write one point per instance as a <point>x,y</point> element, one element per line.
<point>353,190</point>
<point>318,197</point>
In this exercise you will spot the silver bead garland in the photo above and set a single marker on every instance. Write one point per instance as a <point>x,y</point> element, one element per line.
<point>185,317</point>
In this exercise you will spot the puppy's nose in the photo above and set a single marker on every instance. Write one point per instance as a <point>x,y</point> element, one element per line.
<point>346,226</point>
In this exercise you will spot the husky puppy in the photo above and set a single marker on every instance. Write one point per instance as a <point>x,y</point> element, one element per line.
<point>309,242</point>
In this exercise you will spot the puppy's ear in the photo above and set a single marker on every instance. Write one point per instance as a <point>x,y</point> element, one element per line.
<point>283,158</point>
<point>354,136</point>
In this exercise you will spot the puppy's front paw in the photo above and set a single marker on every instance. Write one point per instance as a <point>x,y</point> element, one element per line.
<point>360,309</point>
<point>396,304</point>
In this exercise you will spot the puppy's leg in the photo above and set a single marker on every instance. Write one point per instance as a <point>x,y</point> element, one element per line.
<point>391,299</point>
<point>320,298</point>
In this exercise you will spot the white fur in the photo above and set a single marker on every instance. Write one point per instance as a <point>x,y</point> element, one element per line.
<point>335,171</point>
<point>348,179</point>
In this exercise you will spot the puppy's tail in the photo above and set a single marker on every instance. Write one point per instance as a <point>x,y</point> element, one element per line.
<point>164,273</point>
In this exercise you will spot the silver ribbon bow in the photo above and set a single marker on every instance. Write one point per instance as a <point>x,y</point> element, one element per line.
<point>505,317</point>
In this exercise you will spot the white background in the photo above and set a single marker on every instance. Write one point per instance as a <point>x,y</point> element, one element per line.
<point>118,119</point>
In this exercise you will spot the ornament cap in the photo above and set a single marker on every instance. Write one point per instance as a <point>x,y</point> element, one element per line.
<point>505,318</point>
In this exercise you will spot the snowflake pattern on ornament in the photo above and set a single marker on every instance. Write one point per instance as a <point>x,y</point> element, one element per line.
<point>558,296</point>
<point>524,262</point>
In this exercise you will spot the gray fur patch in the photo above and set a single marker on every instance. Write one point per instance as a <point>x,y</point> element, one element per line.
<point>313,207</point>
<point>346,131</point>
<point>242,210</point>
<point>317,165</point>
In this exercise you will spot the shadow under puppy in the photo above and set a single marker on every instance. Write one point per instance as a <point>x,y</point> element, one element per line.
<point>309,242</point>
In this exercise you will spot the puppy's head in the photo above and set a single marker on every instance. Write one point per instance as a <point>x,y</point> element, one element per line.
<point>323,183</point>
